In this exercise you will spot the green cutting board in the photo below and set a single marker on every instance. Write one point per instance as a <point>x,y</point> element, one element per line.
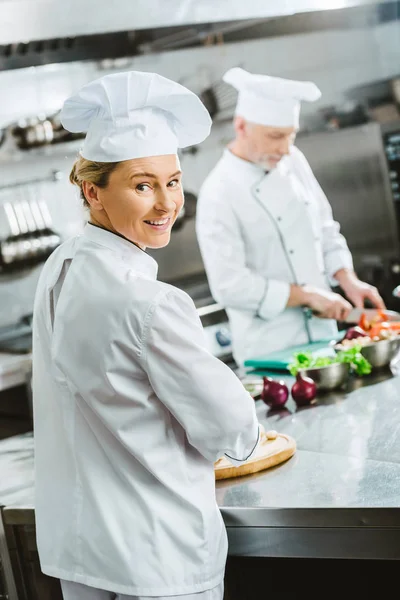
<point>279,361</point>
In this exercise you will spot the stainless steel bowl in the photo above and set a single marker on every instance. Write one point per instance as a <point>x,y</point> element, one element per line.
<point>330,377</point>
<point>381,354</point>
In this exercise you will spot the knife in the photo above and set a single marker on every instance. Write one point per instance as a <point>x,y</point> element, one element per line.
<point>370,313</point>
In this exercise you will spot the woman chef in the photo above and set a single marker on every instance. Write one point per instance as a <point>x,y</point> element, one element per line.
<point>130,409</point>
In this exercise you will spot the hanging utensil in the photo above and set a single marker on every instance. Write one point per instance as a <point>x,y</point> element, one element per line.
<point>36,245</point>
<point>52,238</point>
<point>9,246</point>
<point>25,247</point>
<point>12,219</point>
<point>37,216</point>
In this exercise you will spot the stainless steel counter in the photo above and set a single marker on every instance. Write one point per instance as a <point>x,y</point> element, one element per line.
<point>337,497</point>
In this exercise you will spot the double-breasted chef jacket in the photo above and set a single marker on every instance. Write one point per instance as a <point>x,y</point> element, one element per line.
<point>131,411</point>
<point>259,233</point>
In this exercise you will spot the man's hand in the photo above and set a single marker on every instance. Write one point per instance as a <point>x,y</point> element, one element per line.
<point>327,305</point>
<point>358,291</point>
<point>324,304</point>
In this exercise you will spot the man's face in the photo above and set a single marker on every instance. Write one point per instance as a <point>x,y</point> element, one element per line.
<point>265,146</point>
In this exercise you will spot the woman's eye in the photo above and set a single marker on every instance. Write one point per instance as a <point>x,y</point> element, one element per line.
<point>173,183</point>
<point>143,187</point>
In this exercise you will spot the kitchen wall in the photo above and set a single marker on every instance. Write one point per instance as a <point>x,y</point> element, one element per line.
<point>335,60</point>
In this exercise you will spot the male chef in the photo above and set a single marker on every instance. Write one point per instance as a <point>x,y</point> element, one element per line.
<point>271,248</point>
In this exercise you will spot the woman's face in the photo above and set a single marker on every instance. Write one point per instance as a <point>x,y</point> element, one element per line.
<point>142,200</point>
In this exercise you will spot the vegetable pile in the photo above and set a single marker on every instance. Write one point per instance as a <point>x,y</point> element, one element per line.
<point>379,325</point>
<point>369,331</point>
<point>352,356</point>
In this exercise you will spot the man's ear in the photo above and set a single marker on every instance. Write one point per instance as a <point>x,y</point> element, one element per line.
<point>239,124</point>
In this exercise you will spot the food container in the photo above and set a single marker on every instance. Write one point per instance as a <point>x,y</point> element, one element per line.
<point>380,354</point>
<point>329,377</point>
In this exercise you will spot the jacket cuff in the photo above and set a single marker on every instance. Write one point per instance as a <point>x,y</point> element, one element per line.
<point>333,264</point>
<point>239,461</point>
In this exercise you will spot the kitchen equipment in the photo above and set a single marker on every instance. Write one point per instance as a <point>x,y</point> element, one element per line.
<point>329,377</point>
<point>274,448</point>
<point>391,142</point>
<point>380,354</point>
<point>17,339</point>
<point>347,115</point>
<point>351,167</point>
<point>187,212</point>
<point>31,238</point>
<point>220,100</point>
<point>279,361</point>
<point>32,133</point>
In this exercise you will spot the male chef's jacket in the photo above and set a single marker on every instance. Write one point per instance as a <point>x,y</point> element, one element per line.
<point>259,233</point>
<point>130,413</point>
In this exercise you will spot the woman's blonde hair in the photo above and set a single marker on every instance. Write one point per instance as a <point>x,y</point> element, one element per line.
<point>91,171</point>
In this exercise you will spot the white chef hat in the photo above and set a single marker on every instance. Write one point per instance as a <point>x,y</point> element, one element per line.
<point>135,114</point>
<point>270,100</point>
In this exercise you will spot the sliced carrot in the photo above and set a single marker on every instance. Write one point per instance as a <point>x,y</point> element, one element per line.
<point>376,329</point>
<point>380,317</point>
<point>387,325</point>
<point>363,322</point>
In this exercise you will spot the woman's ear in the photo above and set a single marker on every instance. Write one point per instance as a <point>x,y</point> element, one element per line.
<point>91,193</point>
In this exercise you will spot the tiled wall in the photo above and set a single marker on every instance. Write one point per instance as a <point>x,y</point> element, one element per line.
<point>335,60</point>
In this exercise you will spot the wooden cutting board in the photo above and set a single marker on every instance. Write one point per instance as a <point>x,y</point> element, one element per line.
<point>273,449</point>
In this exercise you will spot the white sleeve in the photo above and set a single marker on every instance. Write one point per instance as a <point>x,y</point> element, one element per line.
<point>232,283</point>
<point>334,246</point>
<point>203,394</point>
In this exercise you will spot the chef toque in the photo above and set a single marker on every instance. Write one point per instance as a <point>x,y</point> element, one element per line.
<point>270,100</point>
<point>133,115</point>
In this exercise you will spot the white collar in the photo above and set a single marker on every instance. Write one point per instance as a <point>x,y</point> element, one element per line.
<point>139,260</point>
<point>241,166</point>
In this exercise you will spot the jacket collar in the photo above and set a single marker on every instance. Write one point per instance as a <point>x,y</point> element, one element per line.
<point>139,260</point>
<point>255,173</point>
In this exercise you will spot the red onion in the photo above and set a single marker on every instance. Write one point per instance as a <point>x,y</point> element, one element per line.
<point>275,393</point>
<point>355,332</point>
<point>304,390</point>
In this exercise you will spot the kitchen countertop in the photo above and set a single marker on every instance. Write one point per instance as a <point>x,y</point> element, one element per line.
<point>337,497</point>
